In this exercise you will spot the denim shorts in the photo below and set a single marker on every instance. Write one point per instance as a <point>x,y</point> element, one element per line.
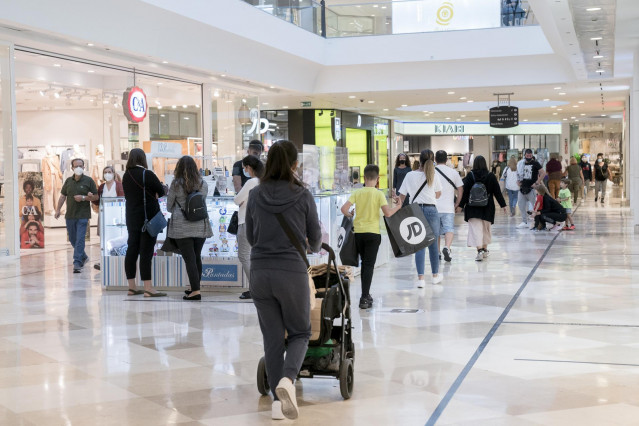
<point>446,223</point>
<point>568,211</point>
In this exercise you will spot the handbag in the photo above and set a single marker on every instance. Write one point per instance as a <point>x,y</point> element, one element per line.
<point>233,224</point>
<point>169,245</point>
<point>346,243</point>
<point>408,230</point>
<point>298,246</point>
<point>157,223</point>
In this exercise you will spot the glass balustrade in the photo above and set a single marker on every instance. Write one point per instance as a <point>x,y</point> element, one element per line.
<point>400,16</point>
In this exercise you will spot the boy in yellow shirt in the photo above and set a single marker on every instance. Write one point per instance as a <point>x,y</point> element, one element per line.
<point>368,201</point>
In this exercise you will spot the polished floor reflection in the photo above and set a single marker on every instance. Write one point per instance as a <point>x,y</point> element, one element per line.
<point>565,352</point>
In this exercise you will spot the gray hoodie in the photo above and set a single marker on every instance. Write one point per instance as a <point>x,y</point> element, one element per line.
<point>270,247</point>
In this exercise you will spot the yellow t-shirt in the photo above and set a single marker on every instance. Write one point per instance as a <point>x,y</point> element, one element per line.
<point>368,201</point>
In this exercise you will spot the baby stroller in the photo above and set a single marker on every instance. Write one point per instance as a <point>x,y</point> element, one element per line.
<point>331,351</point>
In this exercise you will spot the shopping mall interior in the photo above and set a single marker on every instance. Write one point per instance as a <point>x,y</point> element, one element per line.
<point>544,331</point>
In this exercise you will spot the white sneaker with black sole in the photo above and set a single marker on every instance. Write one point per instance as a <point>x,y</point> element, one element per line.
<point>420,283</point>
<point>285,391</point>
<point>479,257</point>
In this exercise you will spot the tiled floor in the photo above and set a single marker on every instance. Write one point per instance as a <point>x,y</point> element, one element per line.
<point>565,351</point>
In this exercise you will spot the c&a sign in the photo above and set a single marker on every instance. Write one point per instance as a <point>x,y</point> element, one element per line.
<point>134,104</point>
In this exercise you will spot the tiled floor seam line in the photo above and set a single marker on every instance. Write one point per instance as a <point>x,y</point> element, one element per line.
<point>618,364</point>
<point>473,359</point>
<point>570,324</point>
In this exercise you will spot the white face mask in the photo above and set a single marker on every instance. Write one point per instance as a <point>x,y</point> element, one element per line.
<point>79,171</point>
<point>108,177</point>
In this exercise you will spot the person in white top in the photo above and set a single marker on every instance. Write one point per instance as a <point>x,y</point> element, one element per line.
<point>427,199</point>
<point>510,179</point>
<point>253,168</point>
<point>452,187</point>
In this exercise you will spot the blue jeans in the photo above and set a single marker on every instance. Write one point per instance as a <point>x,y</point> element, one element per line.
<point>77,229</point>
<point>432,217</point>
<point>512,199</point>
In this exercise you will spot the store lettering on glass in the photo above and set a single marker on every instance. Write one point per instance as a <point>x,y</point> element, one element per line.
<point>219,273</point>
<point>449,128</point>
<point>258,124</point>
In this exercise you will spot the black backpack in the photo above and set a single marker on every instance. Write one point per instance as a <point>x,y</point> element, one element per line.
<point>195,207</point>
<point>478,196</point>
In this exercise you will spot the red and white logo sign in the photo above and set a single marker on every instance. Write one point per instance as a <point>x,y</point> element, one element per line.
<point>134,104</point>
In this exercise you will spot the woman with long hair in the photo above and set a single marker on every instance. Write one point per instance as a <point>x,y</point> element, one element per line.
<point>402,168</point>
<point>136,181</point>
<point>424,188</point>
<point>253,168</point>
<point>112,187</point>
<point>278,275</point>
<point>510,179</point>
<point>189,235</point>
<point>480,218</point>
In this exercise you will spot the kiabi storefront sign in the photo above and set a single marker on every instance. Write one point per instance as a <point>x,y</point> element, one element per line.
<point>426,128</point>
<point>449,129</point>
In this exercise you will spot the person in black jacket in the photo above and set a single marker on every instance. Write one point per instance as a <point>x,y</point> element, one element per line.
<point>551,211</point>
<point>402,168</point>
<point>140,243</point>
<point>480,219</point>
<point>278,277</point>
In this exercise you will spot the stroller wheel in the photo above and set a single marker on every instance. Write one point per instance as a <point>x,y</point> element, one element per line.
<point>262,379</point>
<point>346,378</point>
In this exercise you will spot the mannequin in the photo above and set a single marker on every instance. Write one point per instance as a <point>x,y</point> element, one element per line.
<point>99,165</point>
<point>52,177</point>
<point>69,155</point>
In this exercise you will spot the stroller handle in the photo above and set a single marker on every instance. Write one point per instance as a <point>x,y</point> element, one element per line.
<point>329,250</point>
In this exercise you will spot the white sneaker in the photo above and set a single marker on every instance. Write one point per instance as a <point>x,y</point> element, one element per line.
<point>285,391</point>
<point>276,411</point>
<point>479,257</point>
<point>420,283</point>
<point>555,228</point>
<point>438,278</point>
<point>486,254</point>
<point>522,225</point>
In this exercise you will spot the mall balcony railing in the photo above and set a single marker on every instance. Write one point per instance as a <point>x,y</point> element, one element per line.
<point>376,18</point>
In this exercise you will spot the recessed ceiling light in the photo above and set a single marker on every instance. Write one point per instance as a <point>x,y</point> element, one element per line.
<point>603,115</point>
<point>575,106</point>
<point>184,106</point>
<point>554,106</point>
<point>451,93</point>
<point>596,38</point>
<point>476,120</point>
<point>600,71</point>
<point>285,106</point>
<point>581,102</point>
<point>546,100</point>
<point>385,109</point>
<point>57,65</point>
<point>562,93</point>
<point>351,97</point>
<point>56,95</point>
<point>525,119</point>
<point>560,109</point>
<point>447,118</point>
<point>462,116</point>
<point>582,114</point>
<point>371,102</point>
<point>463,98</point>
<point>160,83</point>
<point>565,119</point>
<point>425,112</point>
<point>404,105</point>
<point>264,103</point>
<point>197,106</point>
<point>222,75</point>
<point>593,9</point>
<point>173,106</point>
<point>557,88</point>
<point>597,57</point>
<point>470,101</point>
<point>271,87</point>
<point>554,113</point>
<point>91,71</point>
<point>89,44</point>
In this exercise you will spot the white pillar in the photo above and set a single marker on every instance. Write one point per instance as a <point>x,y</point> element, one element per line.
<point>207,121</point>
<point>633,160</point>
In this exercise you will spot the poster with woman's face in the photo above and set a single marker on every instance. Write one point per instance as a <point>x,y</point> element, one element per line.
<point>31,189</point>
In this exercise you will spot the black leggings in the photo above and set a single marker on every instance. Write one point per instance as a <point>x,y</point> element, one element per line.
<point>142,244</point>
<point>367,247</point>
<point>191,249</point>
<point>549,217</point>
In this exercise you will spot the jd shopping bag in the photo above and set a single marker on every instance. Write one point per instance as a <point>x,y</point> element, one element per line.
<point>346,243</point>
<point>408,231</point>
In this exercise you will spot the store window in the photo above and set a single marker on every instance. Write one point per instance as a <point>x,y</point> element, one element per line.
<point>7,181</point>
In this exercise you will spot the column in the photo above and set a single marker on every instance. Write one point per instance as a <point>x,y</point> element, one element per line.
<point>633,147</point>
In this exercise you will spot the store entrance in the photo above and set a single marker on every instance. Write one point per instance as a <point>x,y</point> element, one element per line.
<point>357,144</point>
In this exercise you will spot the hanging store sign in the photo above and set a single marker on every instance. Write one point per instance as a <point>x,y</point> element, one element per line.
<point>134,104</point>
<point>504,117</point>
<point>445,15</point>
<point>336,127</point>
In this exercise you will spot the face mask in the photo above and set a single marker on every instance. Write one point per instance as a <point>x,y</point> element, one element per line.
<point>246,173</point>
<point>402,162</point>
<point>583,160</point>
<point>599,160</point>
<point>108,177</point>
<point>79,171</point>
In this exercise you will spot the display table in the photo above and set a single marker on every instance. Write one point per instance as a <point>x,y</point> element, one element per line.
<point>220,264</point>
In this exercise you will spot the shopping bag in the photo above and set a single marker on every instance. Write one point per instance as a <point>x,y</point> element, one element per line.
<point>346,243</point>
<point>408,231</point>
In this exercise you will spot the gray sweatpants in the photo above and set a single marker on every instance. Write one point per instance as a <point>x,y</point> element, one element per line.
<point>522,202</point>
<point>282,302</point>
<point>600,186</point>
<point>243,250</point>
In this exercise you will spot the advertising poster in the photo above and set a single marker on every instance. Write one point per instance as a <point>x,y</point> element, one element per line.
<point>445,15</point>
<point>30,210</point>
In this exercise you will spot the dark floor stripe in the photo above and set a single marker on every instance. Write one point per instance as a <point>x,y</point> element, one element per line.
<point>471,363</point>
<point>571,323</point>
<point>577,362</point>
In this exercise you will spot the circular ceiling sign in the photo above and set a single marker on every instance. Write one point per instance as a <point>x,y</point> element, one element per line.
<point>134,104</point>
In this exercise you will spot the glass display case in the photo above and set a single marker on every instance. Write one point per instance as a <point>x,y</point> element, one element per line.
<point>220,264</point>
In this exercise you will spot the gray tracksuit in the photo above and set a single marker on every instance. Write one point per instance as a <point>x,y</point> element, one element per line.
<point>278,277</point>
